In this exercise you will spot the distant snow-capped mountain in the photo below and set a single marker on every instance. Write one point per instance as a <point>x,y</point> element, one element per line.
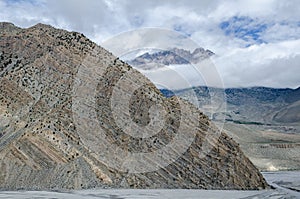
<point>174,56</point>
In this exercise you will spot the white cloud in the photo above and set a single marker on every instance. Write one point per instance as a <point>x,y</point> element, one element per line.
<point>273,65</point>
<point>282,31</point>
<point>101,19</point>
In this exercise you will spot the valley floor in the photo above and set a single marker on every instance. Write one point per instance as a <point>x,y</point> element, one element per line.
<point>269,148</point>
<point>286,185</point>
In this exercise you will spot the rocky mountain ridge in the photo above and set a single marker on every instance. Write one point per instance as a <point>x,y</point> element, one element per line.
<point>260,105</point>
<point>45,142</point>
<point>173,56</point>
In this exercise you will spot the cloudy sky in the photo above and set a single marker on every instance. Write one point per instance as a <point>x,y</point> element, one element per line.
<point>257,42</point>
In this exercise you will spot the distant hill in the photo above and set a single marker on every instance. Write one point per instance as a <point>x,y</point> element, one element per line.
<point>257,104</point>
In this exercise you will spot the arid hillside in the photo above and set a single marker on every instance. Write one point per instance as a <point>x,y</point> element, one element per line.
<point>73,116</point>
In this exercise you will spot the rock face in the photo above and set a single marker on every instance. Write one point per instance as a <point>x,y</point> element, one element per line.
<point>171,57</point>
<point>43,146</point>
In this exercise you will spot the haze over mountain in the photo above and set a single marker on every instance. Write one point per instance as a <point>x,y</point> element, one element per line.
<point>61,123</point>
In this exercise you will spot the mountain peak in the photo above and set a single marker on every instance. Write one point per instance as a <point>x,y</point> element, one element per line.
<point>42,26</point>
<point>174,56</point>
<point>7,27</point>
<point>6,24</point>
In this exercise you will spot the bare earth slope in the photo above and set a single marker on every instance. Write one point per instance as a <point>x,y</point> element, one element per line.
<point>42,147</point>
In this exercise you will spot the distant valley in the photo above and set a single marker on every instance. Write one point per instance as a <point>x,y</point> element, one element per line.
<point>264,121</point>
<point>256,105</point>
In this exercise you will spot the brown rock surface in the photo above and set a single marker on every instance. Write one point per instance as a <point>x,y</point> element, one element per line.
<point>42,146</point>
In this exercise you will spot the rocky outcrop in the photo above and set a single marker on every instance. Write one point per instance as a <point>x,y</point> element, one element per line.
<point>48,140</point>
<point>173,56</point>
